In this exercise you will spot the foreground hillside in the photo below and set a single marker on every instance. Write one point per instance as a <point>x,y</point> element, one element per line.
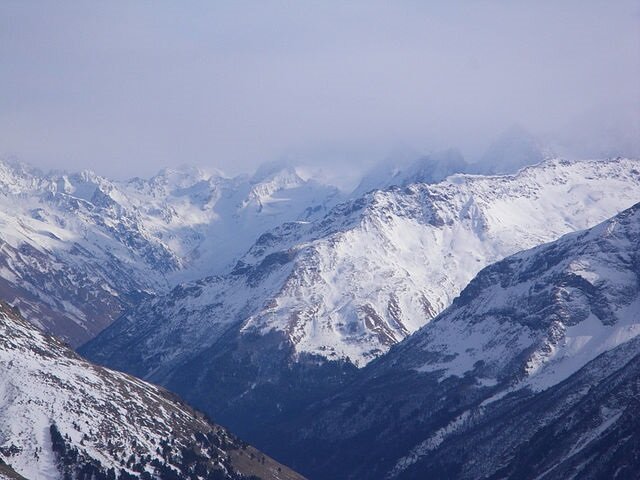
<point>62,417</point>
<point>533,372</point>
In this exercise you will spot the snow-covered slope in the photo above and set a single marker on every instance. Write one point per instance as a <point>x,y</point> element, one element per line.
<point>373,270</point>
<point>62,417</point>
<point>76,249</point>
<point>587,427</point>
<point>356,289</point>
<point>533,372</point>
<point>563,304</point>
<point>252,346</point>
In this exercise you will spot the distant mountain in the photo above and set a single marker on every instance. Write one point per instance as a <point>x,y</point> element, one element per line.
<point>76,250</point>
<point>312,300</point>
<point>62,417</point>
<point>533,372</point>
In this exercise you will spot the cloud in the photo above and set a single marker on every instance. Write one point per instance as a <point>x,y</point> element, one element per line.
<point>126,88</point>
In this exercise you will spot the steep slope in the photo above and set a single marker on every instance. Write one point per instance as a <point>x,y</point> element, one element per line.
<point>253,345</point>
<point>62,417</point>
<point>533,372</point>
<point>78,249</point>
<point>590,430</point>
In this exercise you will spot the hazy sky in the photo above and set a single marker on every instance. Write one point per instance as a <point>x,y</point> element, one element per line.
<point>127,87</point>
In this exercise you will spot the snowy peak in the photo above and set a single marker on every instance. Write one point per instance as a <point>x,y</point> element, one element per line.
<point>85,185</point>
<point>17,177</point>
<point>101,244</point>
<point>357,287</point>
<point>373,270</point>
<point>60,416</point>
<point>272,170</point>
<point>182,177</point>
<point>268,182</point>
<point>180,182</point>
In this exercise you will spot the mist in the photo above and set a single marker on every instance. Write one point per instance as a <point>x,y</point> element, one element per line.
<point>126,88</point>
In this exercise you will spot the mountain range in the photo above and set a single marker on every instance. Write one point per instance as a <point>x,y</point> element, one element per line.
<point>77,250</point>
<point>311,302</point>
<point>433,322</point>
<point>532,372</point>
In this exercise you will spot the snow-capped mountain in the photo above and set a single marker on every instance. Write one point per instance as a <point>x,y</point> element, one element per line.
<point>377,268</point>
<point>62,417</point>
<point>533,372</point>
<point>77,249</point>
<point>349,285</point>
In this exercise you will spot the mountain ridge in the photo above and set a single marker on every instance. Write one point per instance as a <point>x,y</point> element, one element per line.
<point>62,417</point>
<point>79,249</point>
<point>379,236</point>
<point>248,361</point>
<point>460,399</point>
